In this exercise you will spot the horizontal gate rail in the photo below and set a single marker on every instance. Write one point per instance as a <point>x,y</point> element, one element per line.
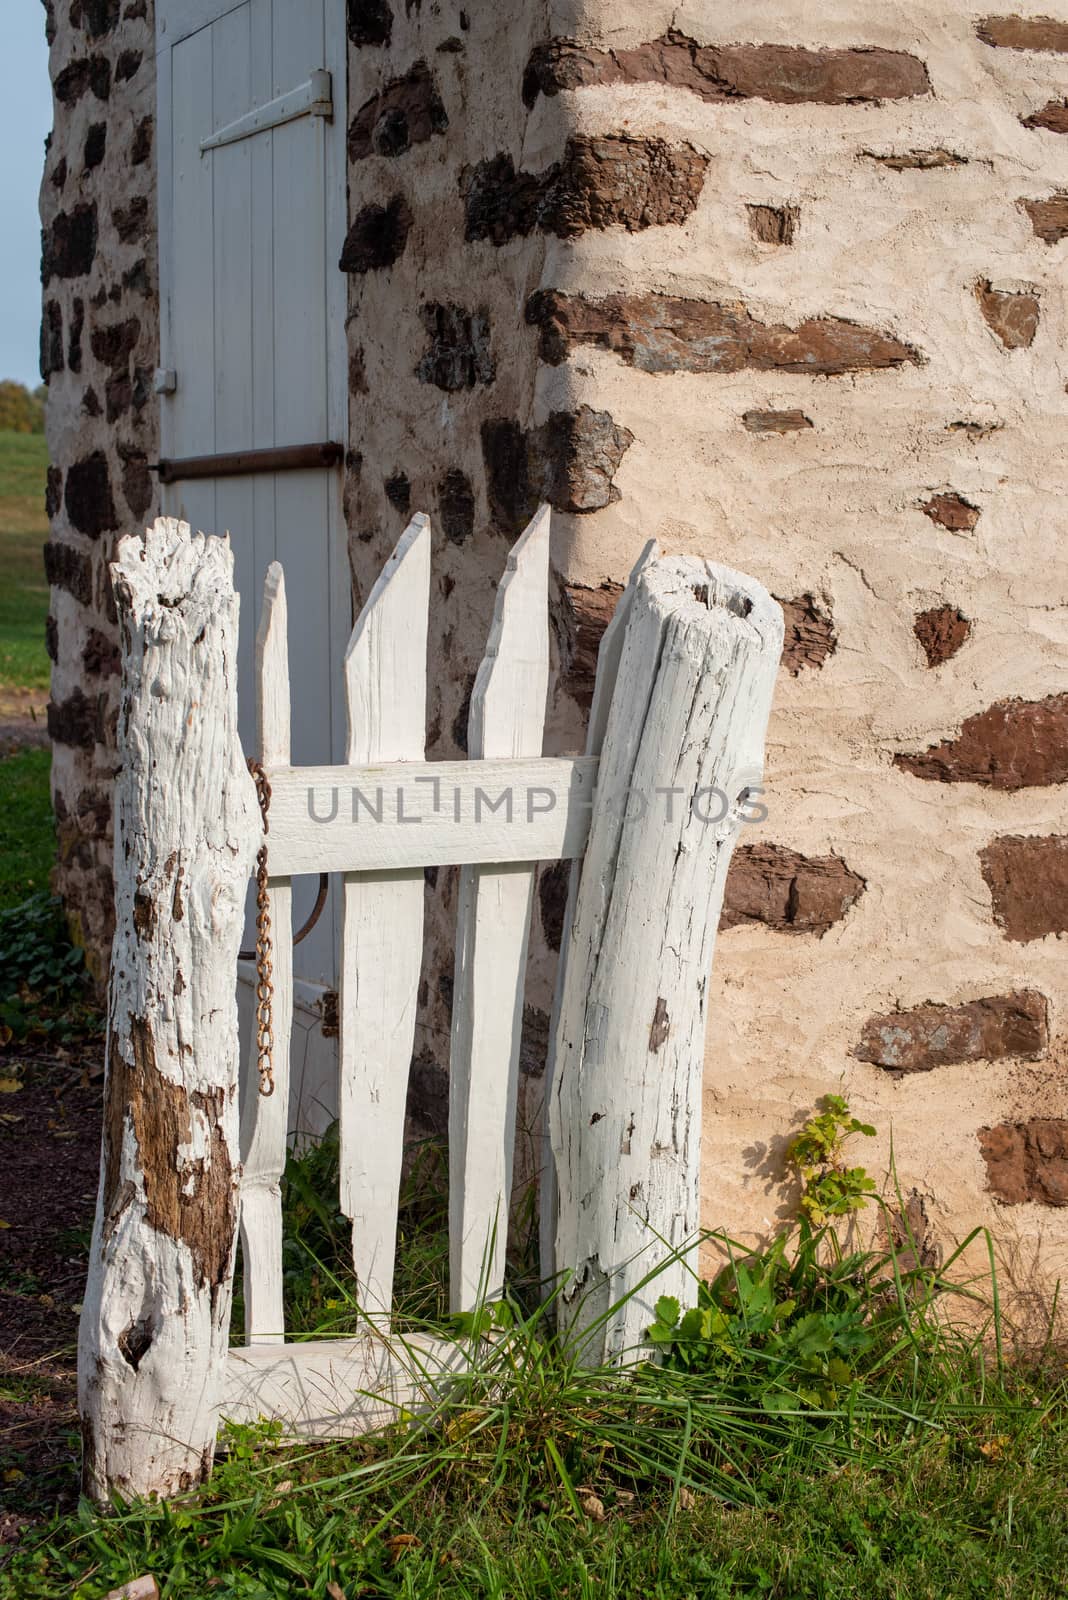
<point>244,463</point>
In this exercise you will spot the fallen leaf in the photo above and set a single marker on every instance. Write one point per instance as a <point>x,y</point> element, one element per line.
<point>994,1448</point>
<point>10,1085</point>
<point>335,1591</point>
<point>592,1505</point>
<point>4,1224</point>
<point>400,1542</point>
<point>687,1499</point>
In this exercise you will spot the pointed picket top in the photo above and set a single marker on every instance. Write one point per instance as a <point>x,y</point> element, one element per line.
<point>385,670</point>
<point>514,672</point>
<point>272,670</point>
<point>611,648</point>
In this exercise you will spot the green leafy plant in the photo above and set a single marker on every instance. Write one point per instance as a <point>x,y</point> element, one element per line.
<point>829,1187</point>
<point>44,986</point>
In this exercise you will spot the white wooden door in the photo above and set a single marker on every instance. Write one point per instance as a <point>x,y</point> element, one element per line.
<point>252,215</point>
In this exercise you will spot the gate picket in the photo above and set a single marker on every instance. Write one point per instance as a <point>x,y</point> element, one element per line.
<point>507,718</point>
<point>382,929</point>
<point>264,1120</point>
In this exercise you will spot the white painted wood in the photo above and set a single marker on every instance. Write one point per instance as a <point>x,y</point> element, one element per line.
<point>507,719</point>
<point>339,1388</point>
<point>264,1119</point>
<point>608,657</point>
<point>431,813</point>
<point>689,714</point>
<point>156,1311</point>
<point>382,919</point>
<point>177,19</point>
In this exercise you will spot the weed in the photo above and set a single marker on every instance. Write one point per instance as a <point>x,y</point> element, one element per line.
<point>44,987</point>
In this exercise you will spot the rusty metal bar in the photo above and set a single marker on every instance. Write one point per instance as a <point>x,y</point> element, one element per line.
<point>240,463</point>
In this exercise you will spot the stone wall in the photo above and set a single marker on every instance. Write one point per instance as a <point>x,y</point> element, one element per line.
<point>99,342</point>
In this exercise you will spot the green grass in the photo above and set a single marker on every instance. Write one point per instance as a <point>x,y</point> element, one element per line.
<point>23,531</point>
<point>829,1427</point>
<point>27,832</point>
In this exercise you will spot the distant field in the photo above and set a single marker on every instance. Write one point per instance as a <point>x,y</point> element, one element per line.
<point>23,590</point>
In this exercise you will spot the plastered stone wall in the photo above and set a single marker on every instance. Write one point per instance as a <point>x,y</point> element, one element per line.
<point>99,342</point>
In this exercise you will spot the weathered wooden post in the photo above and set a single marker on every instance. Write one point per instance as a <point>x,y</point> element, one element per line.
<point>155,1322</point>
<point>683,748</point>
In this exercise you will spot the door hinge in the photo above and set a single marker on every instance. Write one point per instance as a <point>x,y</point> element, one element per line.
<point>311,99</point>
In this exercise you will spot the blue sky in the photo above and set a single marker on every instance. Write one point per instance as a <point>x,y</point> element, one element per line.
<point>25,119</point>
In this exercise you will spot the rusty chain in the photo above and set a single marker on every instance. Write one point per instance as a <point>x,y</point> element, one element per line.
<point>264,944</point>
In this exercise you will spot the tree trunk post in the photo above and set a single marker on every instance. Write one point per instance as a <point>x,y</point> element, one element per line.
<point>683,750</point>
<point>156,1315</point>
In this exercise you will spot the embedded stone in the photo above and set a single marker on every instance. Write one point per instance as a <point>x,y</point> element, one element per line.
<point>398,492</point>
<point>1053,116</point>
<point>53,491</point>
<point>357,372</point>
<point>456,506</point>
<point>552,901</point>
<point>141,148</point>
<point>916,160</point>
<point>602,182</point>
<point>131,221</point>
<point>1027,1161</point>
<point>94,17</point>
<point>369,21</point>
<point>1011,314</point>
<point>101,657</point>
<point>87,497</point>
<point>776,421</point>
<point>128,65</point>
<point>51,638</point>
<point>941,632</point>
<point>581,619</point>
<point>786,891</point>
<point>70,570</point>
<point>74,337</point>
<point>783,74</point>
<point>95,145</point>
<point>1028,881</point>
<point>951,510</point>
<point>1013,744</point>
<point>809,634</point>
<point>996,1028</point>
<point>407,111</point>
<point>68,247</point>
<point>1024,33</point>
<point>137,485</point>
<point>458,355</point>
<point>773,224</point>
<point>658,333</point>
<point>51,354</point>
<point>81,74</point>
<point>113,345</point>
<point>569,460</point>
<point>73,722</point>
<point>1049,218</point>
<point>377,237</point>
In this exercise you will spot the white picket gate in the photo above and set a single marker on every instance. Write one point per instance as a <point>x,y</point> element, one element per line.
<point>684,685</point>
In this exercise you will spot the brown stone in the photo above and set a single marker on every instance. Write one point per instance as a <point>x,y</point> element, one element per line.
<point>784,74</point>
<point>1013,315</point>
<point>131,221</point>
<point>786,891</point>
<point>657,333</point>
<point>809,636</point>
<point>137,485</point>
<point>407,111</point>
<point>773,224</point>
<point>113,345</point>
<point>85,72</point>
<point>1027,1161</point>
<point>70,570</point>
<point>94,17</point>
<point>51,356</point>
<point>996,1028</point>
<point>1053,116</point>
<point>581,618</point>
<point>53,490</point>
<point>357,372</point>
<point>1049,217</point>
<point>1028,882</point>
<point>1024,33</point>
<point>68,247</point>
<point>377,237</point>
<point>602,182</point>
<point>74,338</point>
<point>917,160</point>
<point>398,492</point>
<point>941,632</point>
<point>128,65</point>
<point>369,21</point>
<point>73,722</point>
<point>51,638</point>
<point>950,510</point>
<point>88,498</point>
<point>776,421</point>
<point>456,506</point>
<point>95,146</point>
<point>141,148</point>
<point>569,460</point>
<point>458,355</point>
<point>1013,744</point>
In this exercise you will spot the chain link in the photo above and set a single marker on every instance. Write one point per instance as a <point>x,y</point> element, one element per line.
<point>264,945</point>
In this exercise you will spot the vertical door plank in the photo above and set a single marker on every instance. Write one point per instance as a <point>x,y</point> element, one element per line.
<point>507,718</point>
<point>382,919</point>
<point>264,1120</point>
